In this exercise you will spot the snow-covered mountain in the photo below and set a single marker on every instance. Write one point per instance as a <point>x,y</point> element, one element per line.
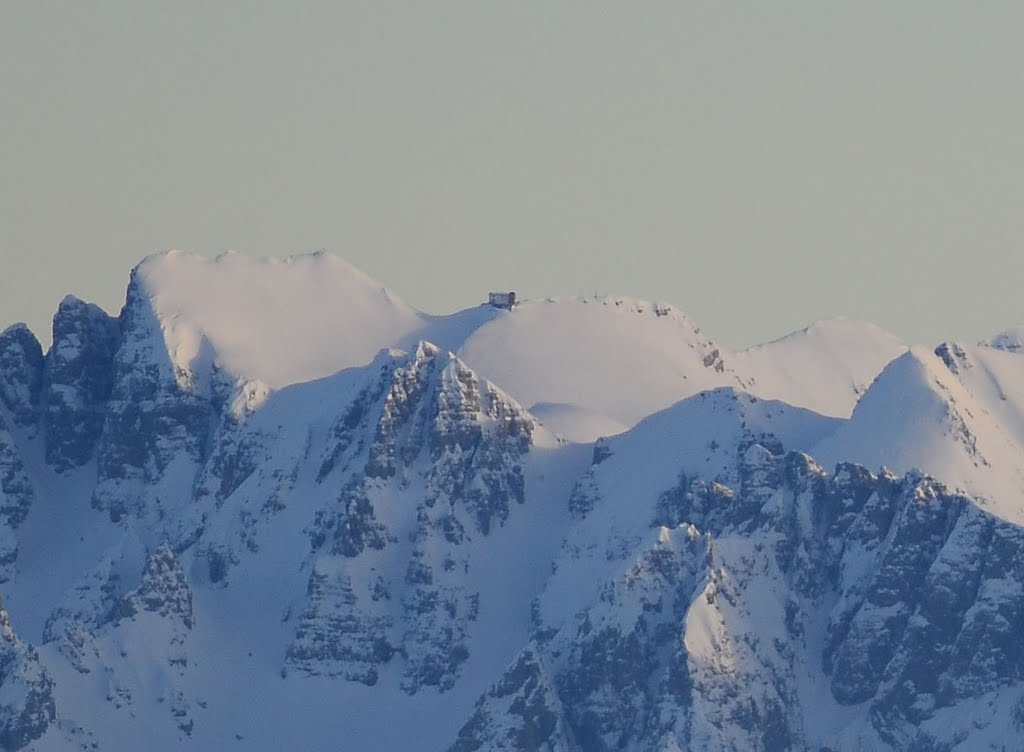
<point>956,413</point>
<point>270,506</point>
<point>786,609</point>
<point>591,366</point>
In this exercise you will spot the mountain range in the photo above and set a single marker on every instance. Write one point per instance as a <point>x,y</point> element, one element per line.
<point>271,506</point>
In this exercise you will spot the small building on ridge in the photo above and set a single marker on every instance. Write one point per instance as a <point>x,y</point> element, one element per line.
<point>506,300</point>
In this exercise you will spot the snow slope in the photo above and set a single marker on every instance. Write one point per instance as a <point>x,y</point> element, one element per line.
<point>624,359</point>
<point>955,413</point>
<point>575,423</point>
<point>279,322</point>
<point>825,367</point>
<point>615,357</point>
<point>704,436</point>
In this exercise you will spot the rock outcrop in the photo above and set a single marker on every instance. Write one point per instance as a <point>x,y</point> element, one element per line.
<point>26,690</point>
<point>80,378</point>
<point>726,622</point>
<point>21,374</point>
<point>445,462</point>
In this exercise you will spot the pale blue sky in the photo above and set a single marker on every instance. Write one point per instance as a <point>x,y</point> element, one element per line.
<point>759,165</point>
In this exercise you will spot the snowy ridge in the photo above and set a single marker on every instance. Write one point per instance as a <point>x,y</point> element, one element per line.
<point>270,506</point>
<point>954,413</point>
<point>280,322</point>
<point>617,357</point>
<point>825,367</point>
<point>236,320</point>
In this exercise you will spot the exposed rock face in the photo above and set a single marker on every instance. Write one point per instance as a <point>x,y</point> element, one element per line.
<point>521,712</point>
<point>21,387</point>
<point>80,377</point>
<point>164,589</point>
<point>21,374</point>
<point>894,596</point>
<point>1012,340</point>
<point>16,496</point>
<point>160,413</point>
<point>15,488</point>
<point>92,603</point>
<point>26,700</point>
<point>447,445</point>
<point>340,634</point>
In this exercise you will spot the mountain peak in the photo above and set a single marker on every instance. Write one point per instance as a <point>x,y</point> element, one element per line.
<point>614,360</point>
<point>279,321</point>
<point>825,366</point>
<point>21,372</point>
<point>836,327</point>
<point>946,413</point>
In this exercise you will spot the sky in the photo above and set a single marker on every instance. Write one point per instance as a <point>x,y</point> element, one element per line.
<point>757,165</point>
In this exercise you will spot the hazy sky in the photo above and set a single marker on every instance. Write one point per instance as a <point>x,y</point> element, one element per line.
<point>759,165</point>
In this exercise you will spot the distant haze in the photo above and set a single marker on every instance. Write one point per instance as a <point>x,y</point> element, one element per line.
<point>759,166</point>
